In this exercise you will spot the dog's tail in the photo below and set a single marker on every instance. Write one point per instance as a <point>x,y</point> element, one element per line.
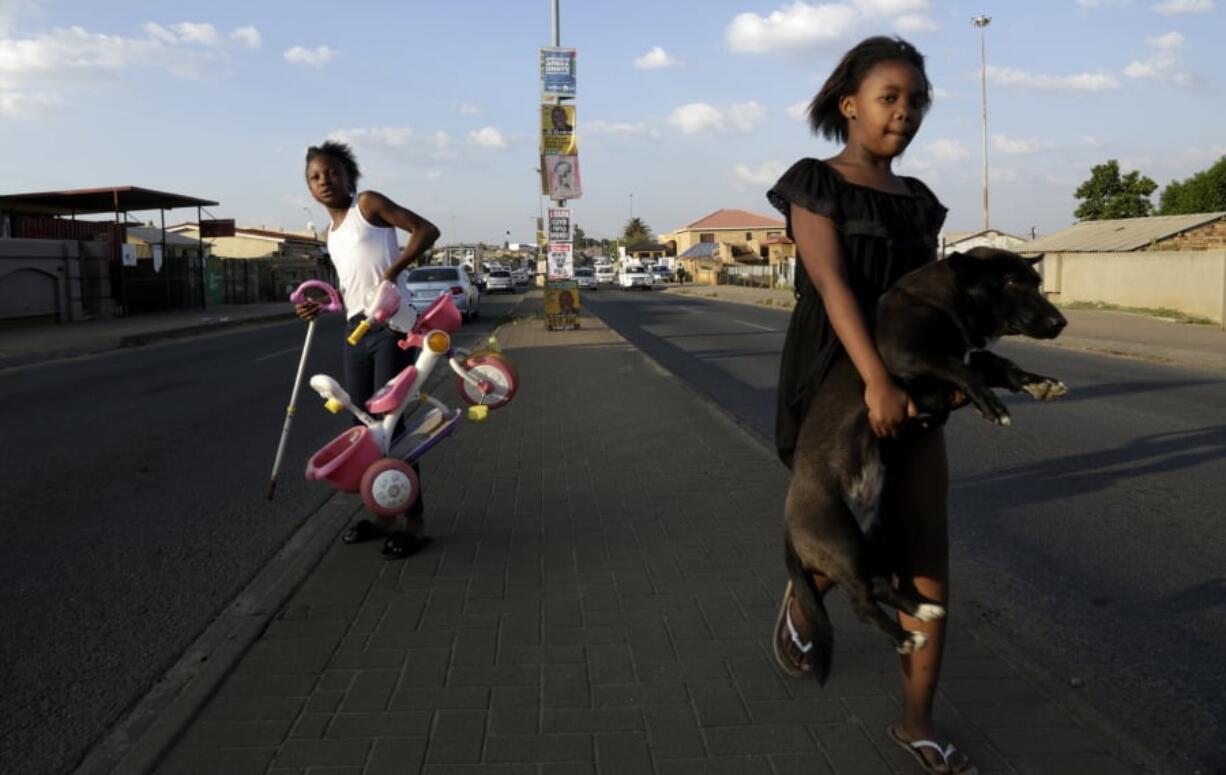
<point>820,630</point>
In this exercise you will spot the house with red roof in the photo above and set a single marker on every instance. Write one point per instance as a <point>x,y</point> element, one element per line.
<point>738,242</point>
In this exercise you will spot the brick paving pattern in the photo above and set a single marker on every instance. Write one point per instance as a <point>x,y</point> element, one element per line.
<point>598,598</point>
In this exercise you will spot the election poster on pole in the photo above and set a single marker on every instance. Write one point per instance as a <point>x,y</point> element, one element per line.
<point>557,72</point>
<point>560,229</point>
<point>561,261</point>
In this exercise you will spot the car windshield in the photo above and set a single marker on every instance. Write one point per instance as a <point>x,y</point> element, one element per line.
<point>434,274</point>
<point>500,273</point>
<point>583,273</point>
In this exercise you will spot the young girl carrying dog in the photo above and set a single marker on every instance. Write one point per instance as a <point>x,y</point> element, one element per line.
<point>858,227</point>
<point>363,247</point>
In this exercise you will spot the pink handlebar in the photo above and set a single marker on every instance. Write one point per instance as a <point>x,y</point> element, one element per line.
<point>334,299</point>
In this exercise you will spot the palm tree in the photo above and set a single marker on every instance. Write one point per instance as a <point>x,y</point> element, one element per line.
<point>636,231</point>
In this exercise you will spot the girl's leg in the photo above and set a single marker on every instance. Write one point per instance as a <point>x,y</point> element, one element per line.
<point>922,488</point>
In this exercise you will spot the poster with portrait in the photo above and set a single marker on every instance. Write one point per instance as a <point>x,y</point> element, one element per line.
<point>558,72</point>
<point>558,130</point>
<point>561,258</point>
<point>560,177</point>
<point>561,304</point>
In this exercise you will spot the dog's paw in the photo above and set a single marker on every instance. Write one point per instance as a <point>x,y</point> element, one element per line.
<point>913,643</point>
<point>1045,389</point>
<point>929,612</point>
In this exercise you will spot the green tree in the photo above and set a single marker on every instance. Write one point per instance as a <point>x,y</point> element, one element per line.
<point>1107,195</point>
<point>580,237</point>
<point>636,231</point>
<point>1204,192</point>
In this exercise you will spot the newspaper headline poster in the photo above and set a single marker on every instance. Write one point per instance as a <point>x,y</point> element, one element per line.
<point>561,304</point>
<point>558,130</point>
<point>558,72</point>
<point>560,177</point>
<point>560,225</point>
<point>561,261</point>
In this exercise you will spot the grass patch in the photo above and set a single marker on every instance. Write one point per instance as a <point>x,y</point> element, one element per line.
<point>1153,312</point>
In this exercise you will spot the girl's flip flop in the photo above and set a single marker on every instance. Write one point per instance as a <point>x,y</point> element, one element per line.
<point>916,749</point>
<point>783,623</point>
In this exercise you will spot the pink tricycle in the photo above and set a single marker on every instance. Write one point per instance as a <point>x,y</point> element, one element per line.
<point>367,458</point>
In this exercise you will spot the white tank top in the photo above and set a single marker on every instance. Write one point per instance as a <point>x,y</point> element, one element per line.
<point>361,254</point>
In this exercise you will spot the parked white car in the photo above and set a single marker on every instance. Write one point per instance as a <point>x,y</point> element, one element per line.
<point>635,276</point>
<point>425,283</point>
<point>520,276</point>
<point>662,274</point>
<point>586,278</point>
<point>605,274</point>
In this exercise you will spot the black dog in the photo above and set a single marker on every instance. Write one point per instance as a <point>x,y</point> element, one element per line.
<point>932,326</point>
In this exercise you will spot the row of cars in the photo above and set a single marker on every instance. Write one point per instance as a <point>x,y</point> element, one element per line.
<point>631,276</point>
<point>506,280</point>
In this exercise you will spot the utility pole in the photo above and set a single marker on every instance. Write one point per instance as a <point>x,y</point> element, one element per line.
<point>981,22</point>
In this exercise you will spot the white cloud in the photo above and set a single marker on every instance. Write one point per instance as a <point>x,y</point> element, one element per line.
<point>1016,146</point>
<point>654,59</point>
<point>701,117</point>
<point>616,127</point>
<point>314,57</point>
<point>12,10</point>
<point>946,150</point>
<point>744,116</point>
<point>74,57</point>
<point>941,94</point>
<point>760,176</point>
<point>798,110</point>
<point>197,32</point>
<point>802,27</point>
<point>15,104</point>
<point>1165,63</point>
<point>914,22</point>
<point>248,36</point>
<point>468,109</point>
<point>488,137</point>
<point>405,143</point>
<point>1176,7</point>
<point>1007,76</point>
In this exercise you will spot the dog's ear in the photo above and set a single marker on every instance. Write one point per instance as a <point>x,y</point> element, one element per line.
<point>961,263</point>
<point>1034,260</point>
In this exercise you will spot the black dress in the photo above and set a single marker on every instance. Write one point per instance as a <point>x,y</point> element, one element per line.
<point>883,236</point>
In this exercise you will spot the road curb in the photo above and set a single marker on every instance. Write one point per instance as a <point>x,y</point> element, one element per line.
<point>146,733</point>
<point>148,337</point>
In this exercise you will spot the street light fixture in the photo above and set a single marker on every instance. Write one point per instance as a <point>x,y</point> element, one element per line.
<point>981,22</point>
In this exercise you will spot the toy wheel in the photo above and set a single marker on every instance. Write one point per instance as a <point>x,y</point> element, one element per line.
<point>389,487</point>
<point>495,370</point>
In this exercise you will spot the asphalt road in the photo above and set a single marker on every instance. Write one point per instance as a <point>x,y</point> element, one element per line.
<point>134,510</point>
<point>1088,534</point>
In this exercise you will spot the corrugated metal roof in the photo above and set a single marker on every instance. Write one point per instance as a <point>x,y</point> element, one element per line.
<point>702,250</point>
<point>1123,234</point>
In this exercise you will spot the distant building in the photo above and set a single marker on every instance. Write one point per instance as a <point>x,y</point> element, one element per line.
<point>252,242</point>
<point>962,241</point>
<point>735,243</point>
<point>1199,231</point>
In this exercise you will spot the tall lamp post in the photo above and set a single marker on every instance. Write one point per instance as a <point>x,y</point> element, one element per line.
<point>981,22</point>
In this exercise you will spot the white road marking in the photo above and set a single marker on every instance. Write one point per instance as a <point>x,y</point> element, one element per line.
<point>752,325</point>
<point>274,355</point>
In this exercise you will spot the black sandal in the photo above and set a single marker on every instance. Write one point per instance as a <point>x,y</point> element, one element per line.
<point>363,530</point>
<point>398,546</point>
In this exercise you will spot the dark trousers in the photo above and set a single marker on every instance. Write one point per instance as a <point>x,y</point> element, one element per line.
<point>371,364</point>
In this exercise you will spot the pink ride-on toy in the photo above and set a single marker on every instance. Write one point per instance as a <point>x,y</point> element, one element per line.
<point>366,459</point>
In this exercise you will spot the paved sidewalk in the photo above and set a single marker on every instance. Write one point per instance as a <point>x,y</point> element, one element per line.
<point>37,344</point>
<point>1101,331</point>
<point>598,598</point>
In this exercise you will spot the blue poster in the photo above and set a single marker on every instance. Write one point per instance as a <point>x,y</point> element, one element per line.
<point>558,72</point>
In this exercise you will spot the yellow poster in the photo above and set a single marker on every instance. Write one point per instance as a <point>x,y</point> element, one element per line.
<point>558,130</point>
<point>561,304</point>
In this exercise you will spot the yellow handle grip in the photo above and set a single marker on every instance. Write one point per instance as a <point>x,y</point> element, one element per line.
<point>333,406</point>
<point>359,332</point>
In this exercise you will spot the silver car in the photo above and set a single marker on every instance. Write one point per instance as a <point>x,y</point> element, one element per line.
<point>586,278</point>
<point>427,282</point>
<point>499,280</point>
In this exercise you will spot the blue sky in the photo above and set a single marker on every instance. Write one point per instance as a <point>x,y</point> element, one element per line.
<point>688,106</point>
